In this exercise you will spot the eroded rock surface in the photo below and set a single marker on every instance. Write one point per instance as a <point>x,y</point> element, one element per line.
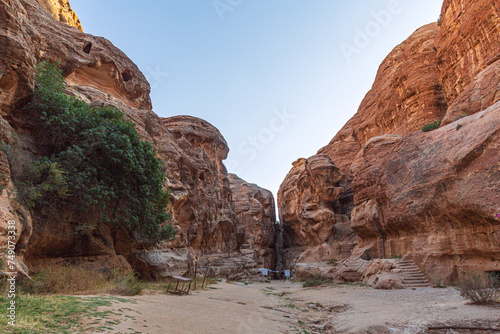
<point>62,12</point>
<point>29,34</point>
<point>405,96</point>
<point>432,196</point>
<point>467,44</point>
<point>256,210</point>
<point>202,207</point>
<point>311,211</point>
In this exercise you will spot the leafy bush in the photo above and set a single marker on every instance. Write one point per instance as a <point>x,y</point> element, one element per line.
<point>96,168</point>
<point>479,288</point>
<point>431,126</point>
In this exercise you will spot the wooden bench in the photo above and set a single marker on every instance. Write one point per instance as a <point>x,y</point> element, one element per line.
<point>182,289</point>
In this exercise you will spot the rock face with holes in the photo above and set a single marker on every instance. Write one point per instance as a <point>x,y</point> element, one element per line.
<point>202,204</point>
<point>15,223</point>
<point>432,196</point>
<point>29,33</point>
<point>255,209</point>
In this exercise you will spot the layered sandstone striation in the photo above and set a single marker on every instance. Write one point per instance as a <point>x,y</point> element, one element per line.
<point>467,43</point>
<point>202,206</point>
<point>431,196</point>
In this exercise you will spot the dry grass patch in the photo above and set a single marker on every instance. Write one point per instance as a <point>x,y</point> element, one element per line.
<point>74,280</point>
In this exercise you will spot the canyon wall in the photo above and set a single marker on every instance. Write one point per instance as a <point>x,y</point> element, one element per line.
<point>255,208</point>
<point>433,196</point>
<point>205,202</point>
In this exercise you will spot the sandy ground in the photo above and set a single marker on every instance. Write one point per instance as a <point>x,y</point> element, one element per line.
<point>285,307</point>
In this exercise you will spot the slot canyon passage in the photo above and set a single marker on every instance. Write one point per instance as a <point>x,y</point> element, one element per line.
<point>375,230</point>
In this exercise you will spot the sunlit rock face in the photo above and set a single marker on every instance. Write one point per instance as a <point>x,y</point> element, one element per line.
<point>469,56</point>
<point>433,196</point>
<point>62,12</point>
<point>202,206</point>
<point>405,96</point>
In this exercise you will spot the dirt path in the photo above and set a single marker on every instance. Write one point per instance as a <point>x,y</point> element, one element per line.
<point>284,307</point>
<point>225,308</point>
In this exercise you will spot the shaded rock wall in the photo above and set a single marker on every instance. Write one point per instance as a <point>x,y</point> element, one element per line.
<point>256,210</point>
<point>62,12</point>
<point>312,211</point>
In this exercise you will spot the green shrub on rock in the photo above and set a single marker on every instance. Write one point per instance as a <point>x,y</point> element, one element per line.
<point>95,166</point>
<point>431,126</point>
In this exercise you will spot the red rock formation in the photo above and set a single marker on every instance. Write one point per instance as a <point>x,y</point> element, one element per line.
<point>205,212</point>
<point>29,34</point>
<point>432,195</point>
<point>405,96</point>
<point>467,43</point>
<point>469,56</point>
<point>192,150</point>
<point>15,223</point>
<point>311,212</point>
<point>255,209</point>
<point>61,11</point>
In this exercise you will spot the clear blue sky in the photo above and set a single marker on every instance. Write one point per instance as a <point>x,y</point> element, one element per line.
<point>278,78</point>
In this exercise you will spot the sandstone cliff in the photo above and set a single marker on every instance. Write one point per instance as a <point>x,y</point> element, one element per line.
<point>312,212</point>
<point>431,196</point>
<point>405,96</point>
<point>61,11</point>
<point>202,206</point>
<point>468,56</point>
<point>255,209</point>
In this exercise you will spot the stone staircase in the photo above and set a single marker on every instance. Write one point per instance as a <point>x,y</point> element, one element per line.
<point>413,277</point>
